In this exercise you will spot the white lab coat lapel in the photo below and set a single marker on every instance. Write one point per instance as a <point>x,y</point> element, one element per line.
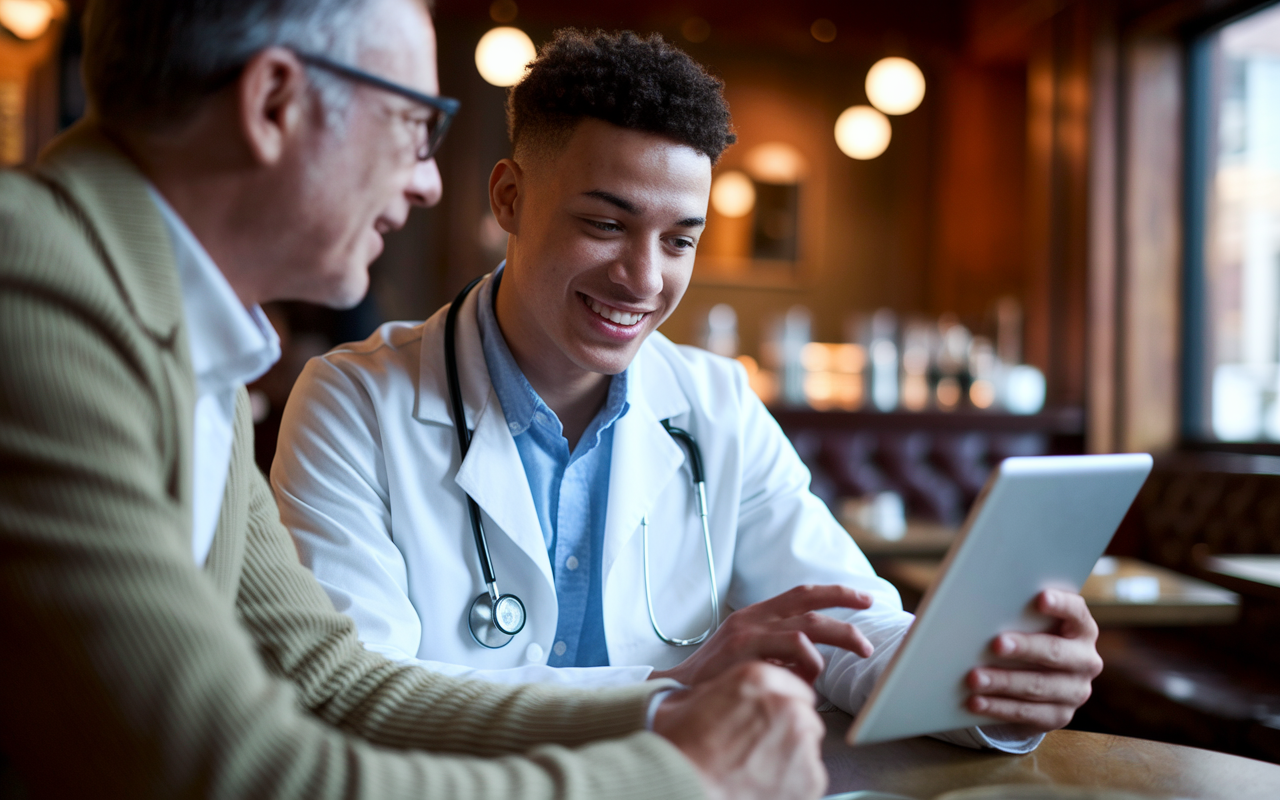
<point>492,473</point>
<point>645,458</point>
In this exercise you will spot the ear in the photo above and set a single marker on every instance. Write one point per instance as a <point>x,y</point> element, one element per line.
<point>273,99</point>
<point>506,185</point>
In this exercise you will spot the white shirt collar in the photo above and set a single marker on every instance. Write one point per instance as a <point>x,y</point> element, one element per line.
<point>230,344</point>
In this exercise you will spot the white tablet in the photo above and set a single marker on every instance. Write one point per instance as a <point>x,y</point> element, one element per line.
<point>1040,523</point>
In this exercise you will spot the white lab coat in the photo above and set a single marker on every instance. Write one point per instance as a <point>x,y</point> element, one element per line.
<point>368,480</point>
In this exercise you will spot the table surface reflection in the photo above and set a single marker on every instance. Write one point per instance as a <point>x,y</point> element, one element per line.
<point>1175,599</point>
<point>1258,576</point>
<point>924,768</point>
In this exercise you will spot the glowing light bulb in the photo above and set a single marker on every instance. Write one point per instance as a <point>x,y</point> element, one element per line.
<point>733,194</point>
<point>26,19</point>
<point>862,132</point>
<point>775,162</point>
<point>503,55</point>
<point>895,85</point>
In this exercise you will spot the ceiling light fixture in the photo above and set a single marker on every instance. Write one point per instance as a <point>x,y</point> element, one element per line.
<point>775,162</point>
<point>503,56</point>
<point>733,194</point>
<point>862,132</point>
<point>26,19</point>
<point>895,85</point>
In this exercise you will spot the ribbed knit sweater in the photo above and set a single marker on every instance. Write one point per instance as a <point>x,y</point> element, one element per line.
<point>126,671</point>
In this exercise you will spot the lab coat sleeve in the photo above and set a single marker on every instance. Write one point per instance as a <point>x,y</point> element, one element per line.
<point>330,482</point>
<point>788,537</point>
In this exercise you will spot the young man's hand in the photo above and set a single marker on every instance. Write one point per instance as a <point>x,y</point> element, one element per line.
<point>782,630</point>
<point>1058,674</point>
<point>751,733</point>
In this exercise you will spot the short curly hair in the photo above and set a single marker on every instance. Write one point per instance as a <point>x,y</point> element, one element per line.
<point>645,84</point>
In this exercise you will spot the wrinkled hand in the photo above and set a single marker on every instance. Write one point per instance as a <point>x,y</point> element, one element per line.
<point>1059,672</point>
<point>751,733</point>
<point>782,630</point>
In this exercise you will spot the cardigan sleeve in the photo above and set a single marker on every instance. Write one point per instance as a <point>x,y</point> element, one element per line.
<point>403,705</point>
<point>127,674</point>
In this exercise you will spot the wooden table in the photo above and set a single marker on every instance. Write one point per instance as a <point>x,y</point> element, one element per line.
<point>923,768</point>
<point>922,539</point>
<point>1181,600</point>
<point>1258,576</point>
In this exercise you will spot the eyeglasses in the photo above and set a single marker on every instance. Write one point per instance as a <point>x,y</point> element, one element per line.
<point>431,130</point>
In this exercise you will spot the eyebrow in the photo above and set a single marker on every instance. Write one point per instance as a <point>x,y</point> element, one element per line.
<point>613,199</point>
<point>632,208</point>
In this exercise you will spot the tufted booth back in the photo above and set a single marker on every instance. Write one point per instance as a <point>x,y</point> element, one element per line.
<point>937,461</point>
<point>1198,504</point>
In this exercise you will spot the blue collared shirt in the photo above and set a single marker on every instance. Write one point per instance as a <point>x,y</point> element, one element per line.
<point>570,489</point>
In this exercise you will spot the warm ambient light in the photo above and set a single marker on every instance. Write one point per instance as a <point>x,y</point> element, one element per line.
<point>862,132</point>
<point>733,194</point>
<point>775,162</point>
<point>895,85</point>
<point>503,55</point>
<point>26,19</point>
<point>824,30</point>
<point>696,29</point>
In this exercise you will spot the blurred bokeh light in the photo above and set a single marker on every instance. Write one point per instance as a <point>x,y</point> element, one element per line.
<point>862,132</point>
<point>503,55</point>
<point>895,85</point>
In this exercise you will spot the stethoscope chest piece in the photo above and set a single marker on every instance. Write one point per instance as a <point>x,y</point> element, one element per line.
<point>493,624</point>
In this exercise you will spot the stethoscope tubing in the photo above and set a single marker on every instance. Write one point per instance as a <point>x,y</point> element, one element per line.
<point>493,633</point>
<point>464,433</point>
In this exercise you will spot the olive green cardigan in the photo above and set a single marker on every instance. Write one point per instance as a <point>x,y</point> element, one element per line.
<point>126,671</point>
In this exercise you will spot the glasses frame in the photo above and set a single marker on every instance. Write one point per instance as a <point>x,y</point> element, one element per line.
<point>446,106</point>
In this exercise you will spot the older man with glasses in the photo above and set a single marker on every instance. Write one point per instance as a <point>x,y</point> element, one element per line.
<point>160,636</point>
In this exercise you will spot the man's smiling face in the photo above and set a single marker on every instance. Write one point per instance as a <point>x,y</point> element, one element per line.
<point>602,248</point>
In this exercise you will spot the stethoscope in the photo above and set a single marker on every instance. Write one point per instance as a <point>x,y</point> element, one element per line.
<point>494,617</point>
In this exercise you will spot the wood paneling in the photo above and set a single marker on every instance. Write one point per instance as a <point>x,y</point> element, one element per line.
<point>1102,376</point>
<point>1058,118</point>
<point>978,239</point>
<point>1151,237</point>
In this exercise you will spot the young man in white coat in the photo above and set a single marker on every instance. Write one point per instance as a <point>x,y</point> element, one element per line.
<point>587,499</point>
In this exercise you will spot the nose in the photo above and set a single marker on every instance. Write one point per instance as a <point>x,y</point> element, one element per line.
<point>639,270</point>
<point>425,187</point>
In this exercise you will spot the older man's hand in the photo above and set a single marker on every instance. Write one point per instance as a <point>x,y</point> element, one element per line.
<point>751,732</point>
<point>1046,676</point>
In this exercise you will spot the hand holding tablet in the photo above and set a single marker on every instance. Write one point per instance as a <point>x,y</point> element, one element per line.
<point>1039,526</point>
<point>1048,675</point>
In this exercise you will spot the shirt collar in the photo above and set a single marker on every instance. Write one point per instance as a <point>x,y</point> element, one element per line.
<point>520,402</point>
<point>230,344</point>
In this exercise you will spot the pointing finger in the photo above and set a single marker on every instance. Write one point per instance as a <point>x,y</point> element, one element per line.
<point>822,629</point>
<point>813,598</point>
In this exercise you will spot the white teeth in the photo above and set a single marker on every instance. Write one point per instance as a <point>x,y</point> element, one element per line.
<point>624,318</point>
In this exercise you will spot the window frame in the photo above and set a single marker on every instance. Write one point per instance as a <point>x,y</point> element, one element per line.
<point>1200,140</point>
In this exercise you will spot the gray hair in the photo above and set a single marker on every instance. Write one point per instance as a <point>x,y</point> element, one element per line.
<point>149,63</point>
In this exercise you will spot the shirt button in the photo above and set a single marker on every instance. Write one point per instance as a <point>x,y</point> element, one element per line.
<point>571,562</point>
<point>514,426</point>
<point>559,648</point>
<point>533,653</point>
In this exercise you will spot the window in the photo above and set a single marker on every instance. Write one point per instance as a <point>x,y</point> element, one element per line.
<point>1233,245</point>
